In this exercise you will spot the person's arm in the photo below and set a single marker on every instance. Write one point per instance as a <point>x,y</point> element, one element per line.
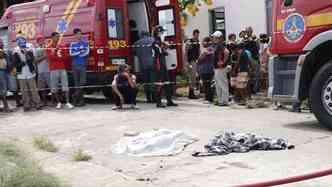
<point>130,80</point>
<point>73,52</point>
<point>86,50</point>
<point>116,90</point>
<point>42,57</point>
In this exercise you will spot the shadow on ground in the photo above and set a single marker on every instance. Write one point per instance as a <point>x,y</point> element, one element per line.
<point>312,126</point>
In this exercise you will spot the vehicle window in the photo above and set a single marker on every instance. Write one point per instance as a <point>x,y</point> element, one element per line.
<point>167,20</point>
<point>115,23</point>
<point>162,3</point>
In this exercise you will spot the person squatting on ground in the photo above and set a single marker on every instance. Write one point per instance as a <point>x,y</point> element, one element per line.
<point>79,51</point>
<point>26,74</point>
<point>206,68</point>
<point>58,73</point>
<point>241,70</point>
<point>43,80</point>
<point>221,65</point>
<point>3,80</point>
<point>160,53</point>
<point>124,87</point>
<point>193,51</point>
<point>144,52</point>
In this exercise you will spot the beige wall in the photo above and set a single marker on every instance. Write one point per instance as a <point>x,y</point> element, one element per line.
<point>239,14</point>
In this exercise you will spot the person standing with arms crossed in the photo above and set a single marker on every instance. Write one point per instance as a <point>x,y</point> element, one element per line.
<point>58,72</point>
<point>79,51</point>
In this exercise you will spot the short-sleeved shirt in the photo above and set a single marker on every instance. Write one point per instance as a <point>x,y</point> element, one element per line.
<point>43,66</point>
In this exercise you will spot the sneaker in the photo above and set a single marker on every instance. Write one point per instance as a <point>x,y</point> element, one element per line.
<point>69,106</point>
<point>171,104</point>
<point>134,107</point>
<point>160,105</point>
<point>116,108</point>
<point>59,106</point>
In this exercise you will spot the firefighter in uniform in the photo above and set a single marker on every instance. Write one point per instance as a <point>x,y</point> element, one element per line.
<point>162,75</point>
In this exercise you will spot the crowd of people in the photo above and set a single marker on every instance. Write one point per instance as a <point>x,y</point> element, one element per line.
<point>36,71</point>
<point>236,67</point>
<point>233,68</point>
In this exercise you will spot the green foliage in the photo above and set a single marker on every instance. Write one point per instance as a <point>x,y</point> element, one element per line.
<point>17,170</point>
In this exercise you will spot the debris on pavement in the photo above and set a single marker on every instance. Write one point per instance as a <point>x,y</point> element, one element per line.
<point>162,142</point>
<point>230,142</point>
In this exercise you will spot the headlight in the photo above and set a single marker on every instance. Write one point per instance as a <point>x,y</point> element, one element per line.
<point>118,61</point>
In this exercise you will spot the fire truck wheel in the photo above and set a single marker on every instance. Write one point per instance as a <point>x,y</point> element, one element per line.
<point>108,93</point>
<point>321,95</point>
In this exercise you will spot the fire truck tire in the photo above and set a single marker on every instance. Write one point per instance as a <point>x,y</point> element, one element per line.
<point>321,95</point>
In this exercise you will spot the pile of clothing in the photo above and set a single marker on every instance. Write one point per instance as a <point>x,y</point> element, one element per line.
<point>230,142</point>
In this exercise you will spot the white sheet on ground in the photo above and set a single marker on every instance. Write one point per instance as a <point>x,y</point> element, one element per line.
<point>162,142</point>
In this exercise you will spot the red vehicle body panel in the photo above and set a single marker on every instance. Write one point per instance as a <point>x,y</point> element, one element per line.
<point>317,15</point>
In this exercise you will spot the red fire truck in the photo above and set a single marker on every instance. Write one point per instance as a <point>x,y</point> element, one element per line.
<point>302,66</point>
<point>111,26</point>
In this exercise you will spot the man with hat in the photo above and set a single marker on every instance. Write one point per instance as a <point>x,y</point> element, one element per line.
<point>221,65</point>
<point>43,69</point>
<point>160,53</point>
<point>26,73</point>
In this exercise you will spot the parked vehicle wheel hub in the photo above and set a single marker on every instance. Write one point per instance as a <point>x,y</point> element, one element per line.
<point>327,96</point>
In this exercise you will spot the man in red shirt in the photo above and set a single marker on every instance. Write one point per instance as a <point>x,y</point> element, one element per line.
<point>58,73</point>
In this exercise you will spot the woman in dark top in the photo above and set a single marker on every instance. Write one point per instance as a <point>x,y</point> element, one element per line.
<point>124,87</point>
<point>206,68</point>
<point>241,70</point>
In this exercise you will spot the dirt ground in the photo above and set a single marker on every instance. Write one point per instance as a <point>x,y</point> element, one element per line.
<point>95,128</point>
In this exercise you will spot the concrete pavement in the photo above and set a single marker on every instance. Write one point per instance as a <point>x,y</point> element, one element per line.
<point>95,128</point>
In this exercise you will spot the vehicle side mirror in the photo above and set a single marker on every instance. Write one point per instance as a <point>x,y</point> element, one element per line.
<point>288,3</point>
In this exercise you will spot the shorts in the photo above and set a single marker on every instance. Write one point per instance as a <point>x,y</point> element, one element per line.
<point>43,80</point>
<point>59,78</point>
<point>3,83</point>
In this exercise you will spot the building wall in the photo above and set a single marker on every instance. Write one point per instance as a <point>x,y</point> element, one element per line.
<point>202,20</point>
<point>239,14</point>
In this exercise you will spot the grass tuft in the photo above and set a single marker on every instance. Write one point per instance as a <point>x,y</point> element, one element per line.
<point>43,143</point>
<point>18,170</point>
<point>80,156</point>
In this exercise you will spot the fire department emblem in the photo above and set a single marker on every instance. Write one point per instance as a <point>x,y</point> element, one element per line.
<point>62,26</point>
<point>294,28</point>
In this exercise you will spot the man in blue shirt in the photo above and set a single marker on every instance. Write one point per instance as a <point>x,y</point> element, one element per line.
<point>79,51</point>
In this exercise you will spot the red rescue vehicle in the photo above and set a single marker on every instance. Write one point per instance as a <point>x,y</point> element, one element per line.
<point>302,66</point>
<point>111,26</point>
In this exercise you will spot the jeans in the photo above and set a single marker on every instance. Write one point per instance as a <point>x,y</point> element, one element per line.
<point>149,87</point>
<point>79,81</point>
<point>30,93</point>
<point>129,95</point>
<point>222,85</point>
<point>207,86</point>
<point>59,76</point>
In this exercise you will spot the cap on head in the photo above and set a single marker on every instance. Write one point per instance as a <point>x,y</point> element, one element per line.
<point>39,37</point>
<point>217,34</point>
